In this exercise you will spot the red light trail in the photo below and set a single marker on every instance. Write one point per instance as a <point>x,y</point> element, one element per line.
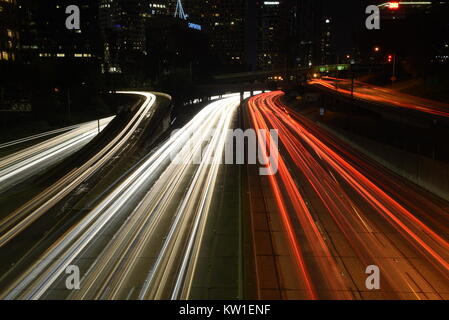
<point>385,96</point>
<point>342,213</point>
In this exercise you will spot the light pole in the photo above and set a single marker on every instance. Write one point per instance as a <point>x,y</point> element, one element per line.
<point>352,81</point>
<point>338,74</point>
<point>392,58</point>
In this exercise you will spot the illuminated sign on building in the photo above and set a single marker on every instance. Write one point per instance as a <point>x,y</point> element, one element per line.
<point>194,26</point>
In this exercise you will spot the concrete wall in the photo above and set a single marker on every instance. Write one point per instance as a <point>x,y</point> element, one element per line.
<point>430,174</point>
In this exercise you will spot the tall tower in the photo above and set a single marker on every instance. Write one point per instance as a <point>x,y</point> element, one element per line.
<point>307,29</point>
<point>179,11</point>
<point>271,34</point>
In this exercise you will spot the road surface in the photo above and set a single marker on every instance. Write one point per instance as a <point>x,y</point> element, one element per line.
<point>330,212</point>
<point>384,96</point>
<point>144,239</point>
<point>25,163</point>
<point>18,220</point>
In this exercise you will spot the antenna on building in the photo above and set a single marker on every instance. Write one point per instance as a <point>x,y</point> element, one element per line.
<point>179,12</point>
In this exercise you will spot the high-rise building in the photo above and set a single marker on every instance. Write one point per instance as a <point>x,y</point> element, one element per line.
<point>157,8</point>
<point>122,25</point>
<point>272,34</point>
<point>225,24</point>
<point>9,31</point>
<point>326,41</point>
<point>44,35</point>
<point>306,30</point>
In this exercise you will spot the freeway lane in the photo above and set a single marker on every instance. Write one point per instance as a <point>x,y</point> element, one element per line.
<point>385,96</point>
<point>25,163</point>
<point>154,252</point>
<point>39,136</point>
<point>339,213</point>
<point>21,218</point>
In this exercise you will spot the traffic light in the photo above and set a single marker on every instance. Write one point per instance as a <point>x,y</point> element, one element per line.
<point>390,58</point>
<point>393,5</point>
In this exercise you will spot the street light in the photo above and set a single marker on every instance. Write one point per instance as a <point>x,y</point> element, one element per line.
<point>393,5</point>
<point>376,49</point>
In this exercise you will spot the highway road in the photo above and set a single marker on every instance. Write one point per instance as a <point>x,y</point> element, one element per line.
<point>22,164</point>
<point>384,96</point>
<point>144,239</point>
<point>18,220</point>
<point>330,212</point>
<point>170,226</point>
